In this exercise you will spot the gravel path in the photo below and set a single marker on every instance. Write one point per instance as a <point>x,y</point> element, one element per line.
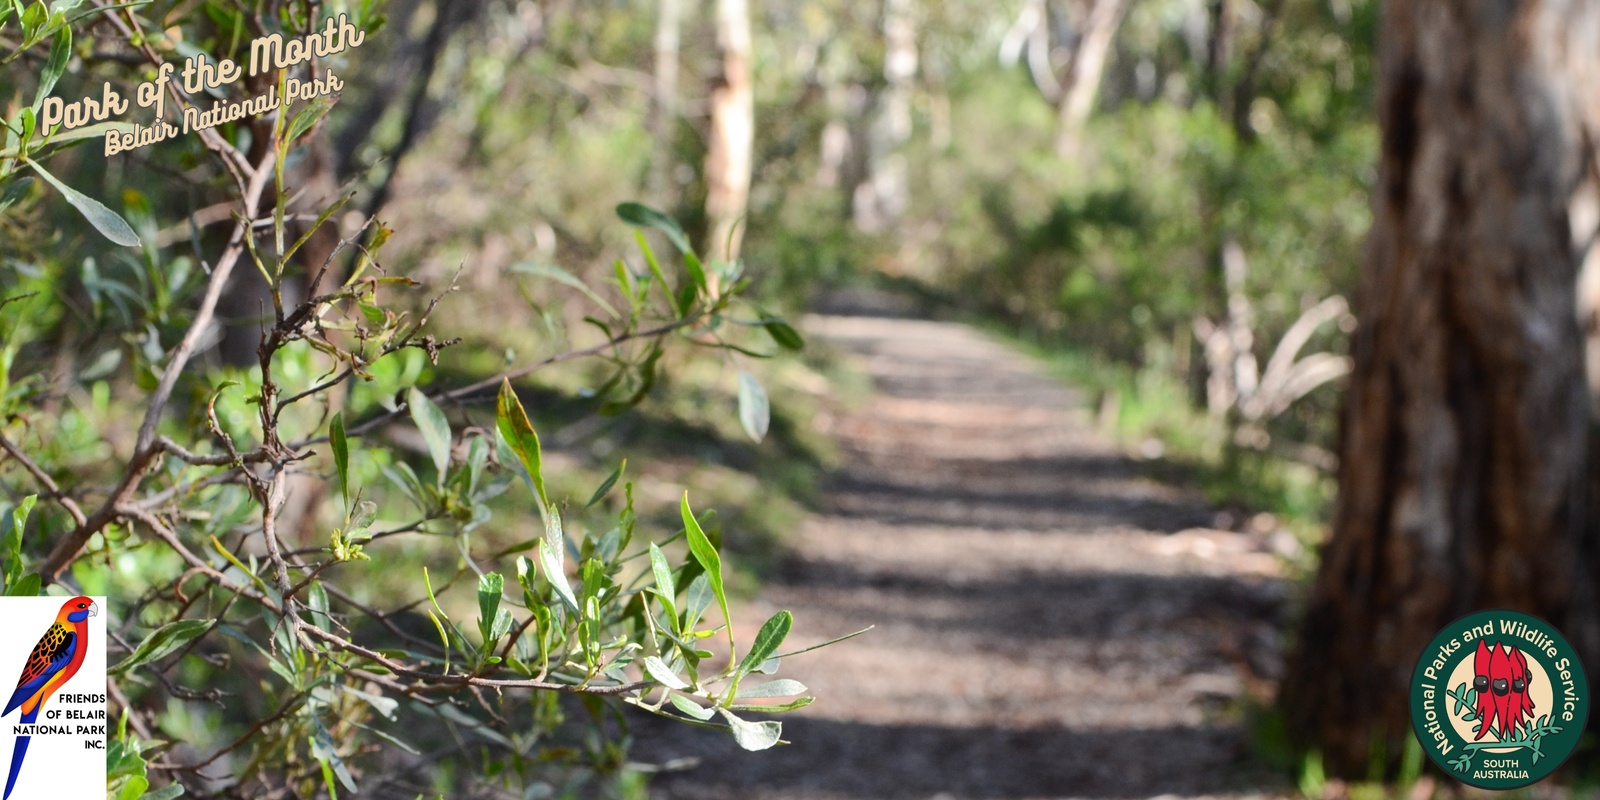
<point>1050,622</point>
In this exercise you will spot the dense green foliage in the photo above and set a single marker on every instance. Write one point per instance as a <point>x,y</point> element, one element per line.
<point>321,570</point>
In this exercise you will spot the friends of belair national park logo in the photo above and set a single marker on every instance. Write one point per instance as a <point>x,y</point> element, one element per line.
<point>1499,699</point>
<point>55,718</point>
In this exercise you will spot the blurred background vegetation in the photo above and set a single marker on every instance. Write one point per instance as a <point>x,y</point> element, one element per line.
<point>1252,134</point>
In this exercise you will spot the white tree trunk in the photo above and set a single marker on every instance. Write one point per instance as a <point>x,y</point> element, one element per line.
<point>664,101</point>
<point>881,201</point>
<point>1082,83</point>
<point>730,155</point>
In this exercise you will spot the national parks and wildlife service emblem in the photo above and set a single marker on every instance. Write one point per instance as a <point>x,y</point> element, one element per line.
<point>1499,699</point>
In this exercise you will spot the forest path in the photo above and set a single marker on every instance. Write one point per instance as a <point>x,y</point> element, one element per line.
<point>1049,621</point>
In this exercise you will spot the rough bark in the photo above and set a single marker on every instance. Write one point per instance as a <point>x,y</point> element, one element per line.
<point>728,158</point>
<point>1464,450</point>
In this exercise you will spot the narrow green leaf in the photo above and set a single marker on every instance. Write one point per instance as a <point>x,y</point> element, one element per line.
<point>755,412</point>
<point>705,553</point>
<point>667,591</point>
<point>385,706</point>
<point>558,274</point>
<point>324,750</point>
<point>502,625</point>
<point>109,223</point>
<point>307,117</point>
<point>663,674</point>
<point>691,708</point>
<point>643,216</point>
<point>60,54</point>
<point>317,601</point>
<point>165,641</point>
<point>606,486</point>
<point>552,557</point>
<point>512,422</point>
<point>767,642</point>
<point>341,454</point>
<point>697,600</point>
<point>491,587</point>
<point>435,430</point>
<point>697,271</point>
<point>15,192</point>
<point>774,708</point>
<point>752,735</point>
<point>678,307</point>
<point>782,332</point>
<point>33,18</point>
<point>783,687</point>
<point>11,549</point>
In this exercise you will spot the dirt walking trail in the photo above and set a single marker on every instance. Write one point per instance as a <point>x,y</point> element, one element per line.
<point>1050,622</point>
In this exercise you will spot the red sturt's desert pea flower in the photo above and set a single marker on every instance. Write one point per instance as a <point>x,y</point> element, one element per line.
<point>1501,678</point>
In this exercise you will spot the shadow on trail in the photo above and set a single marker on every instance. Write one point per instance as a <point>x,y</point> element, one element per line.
<point>1051,620</point>
<point>831,758</point>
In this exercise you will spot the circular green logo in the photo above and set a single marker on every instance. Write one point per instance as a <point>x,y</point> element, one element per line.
<point>1499,699</point>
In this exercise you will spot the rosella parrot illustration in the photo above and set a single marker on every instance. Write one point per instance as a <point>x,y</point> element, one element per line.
<point>1500,674</point>
<point>55,659</point>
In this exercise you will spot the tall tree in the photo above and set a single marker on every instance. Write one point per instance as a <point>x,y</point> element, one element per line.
<point>729,156</point>
<point>1081,83</point>
<point>1085,30</point>
<point>1465,448</point>
<point>664,99</point>
<point>883,197</point>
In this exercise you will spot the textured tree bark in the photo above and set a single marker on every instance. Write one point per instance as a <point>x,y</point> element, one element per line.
<point>1464,453</point>
<point>728,159</point>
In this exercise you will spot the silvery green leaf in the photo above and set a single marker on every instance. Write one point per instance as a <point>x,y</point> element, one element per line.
<point>434,427</point>
<point>109,223</point>
<point>691,708</point>
<point>783,687</point>
<point>755,412</point>
<point>752,735</point>
<point>663,674</point>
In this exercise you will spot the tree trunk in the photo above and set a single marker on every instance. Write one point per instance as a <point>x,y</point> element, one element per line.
<point>664,101</point>
<point>728,159</point>
<point>1082,83</point>
<point>1464,451</point>
<point>881,200</point>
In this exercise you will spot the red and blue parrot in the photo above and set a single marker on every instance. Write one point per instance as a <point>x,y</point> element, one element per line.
<point>55,659</point>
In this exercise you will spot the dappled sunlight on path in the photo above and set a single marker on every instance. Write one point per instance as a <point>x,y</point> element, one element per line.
<point>1050,622</point>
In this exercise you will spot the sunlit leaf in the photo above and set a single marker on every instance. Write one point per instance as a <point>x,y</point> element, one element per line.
<point>434,427</point>
<point>752,735</point>
<point>109,223</point>
<point>755,412</point>
<point>512,422</point>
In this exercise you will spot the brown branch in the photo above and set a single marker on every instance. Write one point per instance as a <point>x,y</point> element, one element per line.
<point>44,479</point>
<point>148,447</point>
